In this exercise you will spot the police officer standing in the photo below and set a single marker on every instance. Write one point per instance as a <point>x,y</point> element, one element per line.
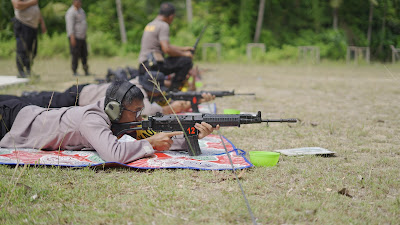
<point>76,24</point>
<point>26,23</point>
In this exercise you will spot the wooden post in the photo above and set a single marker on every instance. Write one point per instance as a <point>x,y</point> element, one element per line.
<point>250,46</point>
<point>312,50</point>
<point>358,53</point>
<point>217,47</point>
<point>395,54</point>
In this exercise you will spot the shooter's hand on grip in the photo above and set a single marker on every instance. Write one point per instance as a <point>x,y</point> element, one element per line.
<point>162,141</point>
<point>178,106</point>
<point>204,129</point>
<point>206,97</point>
<point>188,48</point>
<point>188,54</point>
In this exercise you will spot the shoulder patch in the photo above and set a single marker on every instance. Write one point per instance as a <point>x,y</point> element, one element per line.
<point>150,28</point>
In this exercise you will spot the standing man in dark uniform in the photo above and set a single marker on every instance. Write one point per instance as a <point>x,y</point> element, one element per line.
<point>75,20</point>
<point>155,43</point>
<point>26,22</point>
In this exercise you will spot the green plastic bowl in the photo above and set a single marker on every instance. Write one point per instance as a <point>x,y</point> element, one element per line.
<point>199,84</point>
<point>261,158</point>
<point>231,111</point>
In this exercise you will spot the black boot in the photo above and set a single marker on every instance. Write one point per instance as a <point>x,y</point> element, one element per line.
<point>21,74</point>
<point>86,69</point>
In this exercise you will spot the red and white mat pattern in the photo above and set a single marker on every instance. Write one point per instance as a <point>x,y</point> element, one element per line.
<point>213,157</point>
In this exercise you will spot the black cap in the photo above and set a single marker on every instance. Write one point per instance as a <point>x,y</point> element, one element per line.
<point>147,82</point>
<point>167,9</point>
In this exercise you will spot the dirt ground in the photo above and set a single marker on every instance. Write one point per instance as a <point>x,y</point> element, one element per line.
<point>352,110</point>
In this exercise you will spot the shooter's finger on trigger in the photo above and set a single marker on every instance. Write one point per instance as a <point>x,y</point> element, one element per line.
<point>175,133</point>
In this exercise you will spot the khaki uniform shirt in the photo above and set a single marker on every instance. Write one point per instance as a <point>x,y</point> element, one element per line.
<point>29,16</point>
<point>75,21</point>
<point>156,31</point>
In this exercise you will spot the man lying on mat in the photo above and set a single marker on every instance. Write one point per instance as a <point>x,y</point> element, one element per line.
<point>86,127</point>
<point>87,94</point>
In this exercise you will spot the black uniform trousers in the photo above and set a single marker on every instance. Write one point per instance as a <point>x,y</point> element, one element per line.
<point>178,65</point>
<point>8,112</point>
<point>26,39</point>
<point>79,51</point>
<point>56,99</point>
<point>11,105</point>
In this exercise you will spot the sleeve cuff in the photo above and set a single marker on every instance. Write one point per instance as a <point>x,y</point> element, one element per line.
<point>148,150</point>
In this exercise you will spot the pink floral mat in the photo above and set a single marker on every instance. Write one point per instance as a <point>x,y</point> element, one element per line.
<point>213,157</point>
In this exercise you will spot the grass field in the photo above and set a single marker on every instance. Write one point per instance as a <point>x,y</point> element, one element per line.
<point>352,110</point>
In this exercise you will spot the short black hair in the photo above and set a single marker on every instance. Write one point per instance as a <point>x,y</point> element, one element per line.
<point>167,9</point>
<point>132,95</point>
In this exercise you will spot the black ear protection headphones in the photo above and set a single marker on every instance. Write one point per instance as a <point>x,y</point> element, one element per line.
<point>114,108</point>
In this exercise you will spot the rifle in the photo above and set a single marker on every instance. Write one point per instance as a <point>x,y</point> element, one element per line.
<point>195,96</point>
<point>161,122</point>
<point>198,39</point>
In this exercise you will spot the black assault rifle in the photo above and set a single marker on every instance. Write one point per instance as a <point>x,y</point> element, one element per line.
<point>198,39</point>
<point>170,123</point>
<point>195,96</point>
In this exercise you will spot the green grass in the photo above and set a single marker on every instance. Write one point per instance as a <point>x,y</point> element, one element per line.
<point>352,110</point>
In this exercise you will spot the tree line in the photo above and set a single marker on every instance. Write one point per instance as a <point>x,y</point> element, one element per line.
<point>332,25</point>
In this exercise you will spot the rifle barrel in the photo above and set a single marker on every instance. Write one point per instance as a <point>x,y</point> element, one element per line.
<point>199,37</point>
<point>280,120</point>
<point>246,94</point>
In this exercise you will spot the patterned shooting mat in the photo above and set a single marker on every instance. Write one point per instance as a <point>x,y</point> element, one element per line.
<point>213,157</point>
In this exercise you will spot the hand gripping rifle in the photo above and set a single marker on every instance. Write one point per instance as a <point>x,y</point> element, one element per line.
<point>198,39</point>
<point>195,96</point>
<point>161,122</point>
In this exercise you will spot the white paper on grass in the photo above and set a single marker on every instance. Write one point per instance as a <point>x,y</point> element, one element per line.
<point>305,151</point>
<point>9,80</point>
